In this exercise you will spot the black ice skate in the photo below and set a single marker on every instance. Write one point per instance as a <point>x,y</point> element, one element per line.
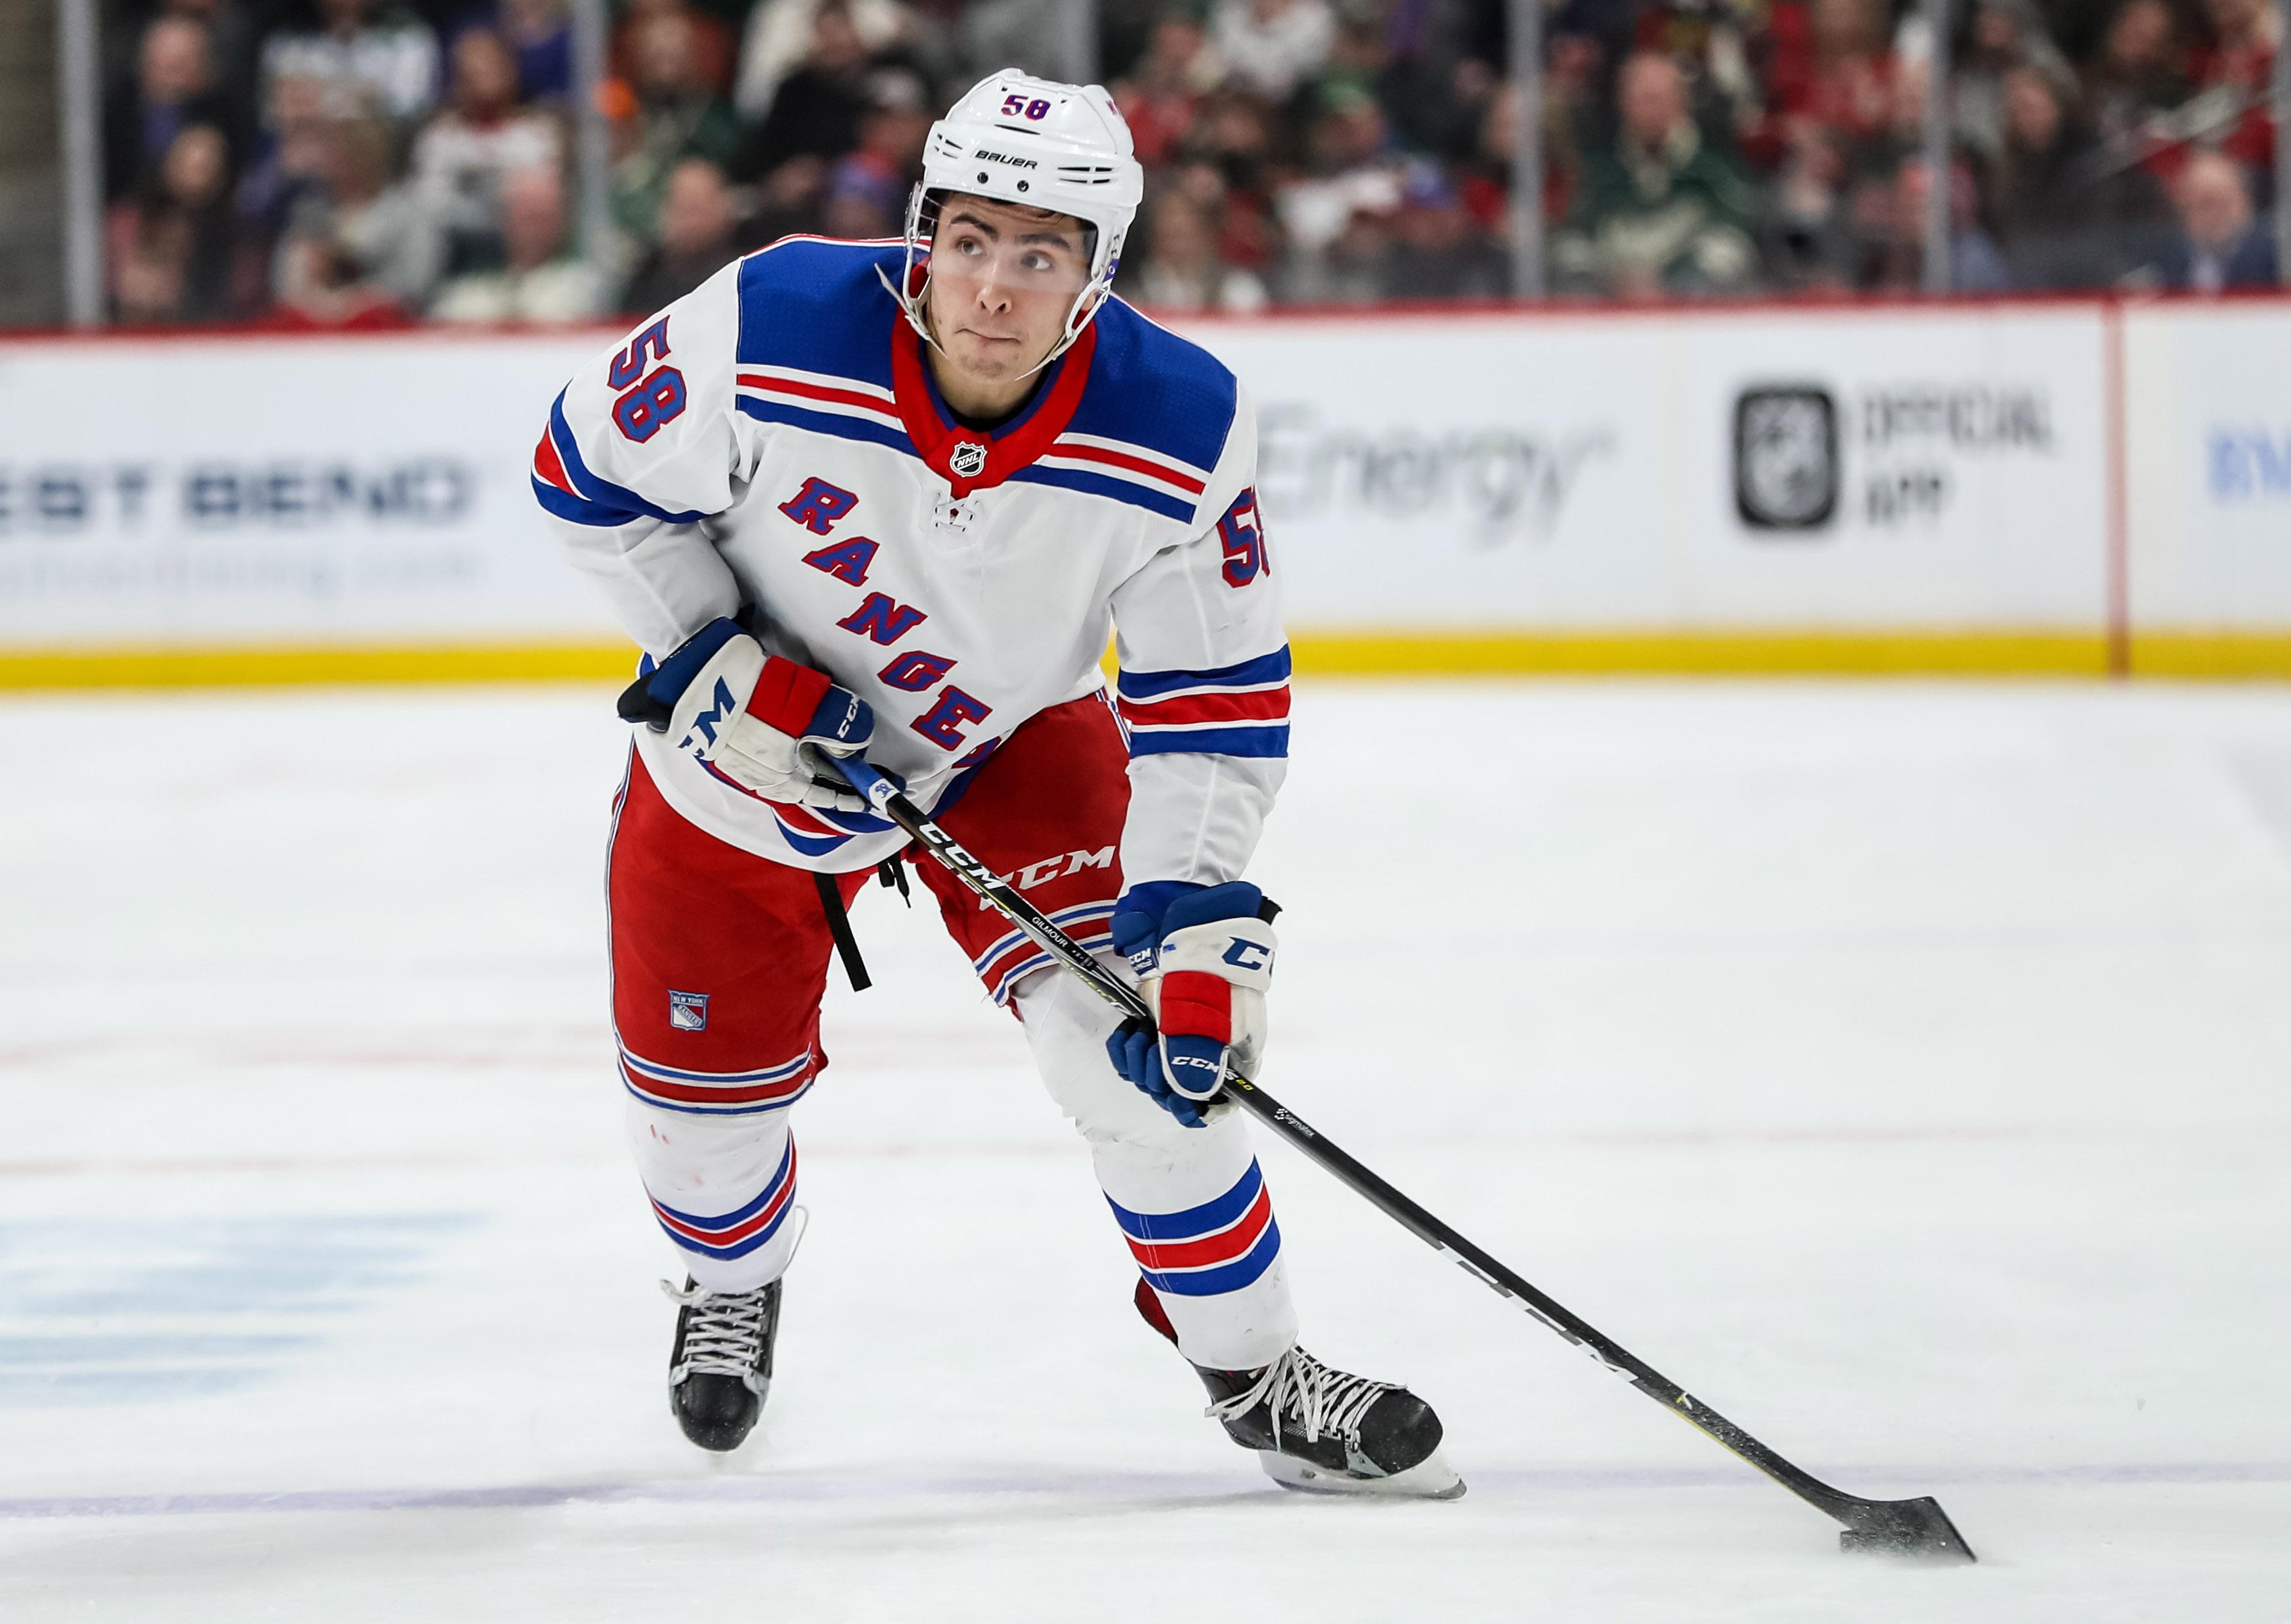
<point>1322,1431</point>
<point>722,1366</point>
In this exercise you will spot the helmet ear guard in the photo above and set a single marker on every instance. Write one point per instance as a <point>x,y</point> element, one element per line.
<point>1038,144</point>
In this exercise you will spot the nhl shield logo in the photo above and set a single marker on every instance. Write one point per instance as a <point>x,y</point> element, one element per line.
<point>687,1011</point>
<point>1786,475</point>
<point>969,461</point>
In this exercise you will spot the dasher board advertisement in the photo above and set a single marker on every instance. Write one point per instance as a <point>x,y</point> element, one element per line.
<point>1721,469</point>
<point>299,489</point>
<point>2208,439</point>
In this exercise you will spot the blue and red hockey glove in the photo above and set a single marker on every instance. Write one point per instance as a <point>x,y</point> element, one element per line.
<point>1204,956</point>
<point>746,714</point>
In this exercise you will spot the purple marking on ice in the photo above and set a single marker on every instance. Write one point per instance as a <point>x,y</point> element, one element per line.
<point>1152,1485</point>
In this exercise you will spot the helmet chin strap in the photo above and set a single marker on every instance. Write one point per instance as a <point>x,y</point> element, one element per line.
<point>912,308</point>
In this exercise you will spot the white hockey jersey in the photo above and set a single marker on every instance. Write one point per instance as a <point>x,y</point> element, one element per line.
<point>772,447</point>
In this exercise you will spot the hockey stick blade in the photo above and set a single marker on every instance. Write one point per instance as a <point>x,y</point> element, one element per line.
<point>1917,1528</point>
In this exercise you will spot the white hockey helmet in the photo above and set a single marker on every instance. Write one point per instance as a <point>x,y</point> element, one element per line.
<point>1036,143</point>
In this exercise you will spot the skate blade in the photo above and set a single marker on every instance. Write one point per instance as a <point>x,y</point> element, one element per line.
<point>1430,1478</point>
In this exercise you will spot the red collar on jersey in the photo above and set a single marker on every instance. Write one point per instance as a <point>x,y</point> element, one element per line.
<point>984,458</point>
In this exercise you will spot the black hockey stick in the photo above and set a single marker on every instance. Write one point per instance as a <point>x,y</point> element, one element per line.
<point>1905,1527</point>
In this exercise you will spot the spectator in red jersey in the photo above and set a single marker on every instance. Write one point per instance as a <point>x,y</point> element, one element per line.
<point>1777,40</point>
<point>1236,136</point>
<point>1835,196</point>
<point>1848,91</point>
<point>2138,78</point>
<point>1484,176</point>
<point>2233,74</point>
<point>1830,100</point>
<point>1159,95</point>
<point>712,53</point>
<point>1715,42</point>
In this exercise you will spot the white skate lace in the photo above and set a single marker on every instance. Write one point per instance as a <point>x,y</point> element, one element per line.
<point>1315,1398</point>
<point>725,1336</point>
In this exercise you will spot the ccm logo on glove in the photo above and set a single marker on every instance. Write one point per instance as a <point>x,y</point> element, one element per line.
<point>1244,955</point>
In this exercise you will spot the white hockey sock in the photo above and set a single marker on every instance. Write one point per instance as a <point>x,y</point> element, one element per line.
<point>1190,1202</point>
<point>723,1189</point>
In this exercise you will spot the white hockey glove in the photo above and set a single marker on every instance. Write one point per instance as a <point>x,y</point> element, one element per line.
<point>747,714</point>
<point>1204,962</point>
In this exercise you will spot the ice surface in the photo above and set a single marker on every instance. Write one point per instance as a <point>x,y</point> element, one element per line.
<point>1905,1069</point>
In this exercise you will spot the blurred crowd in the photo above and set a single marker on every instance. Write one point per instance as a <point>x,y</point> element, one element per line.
<point>368,162</point>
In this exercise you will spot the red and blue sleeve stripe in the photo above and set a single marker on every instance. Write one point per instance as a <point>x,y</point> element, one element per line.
<point>1218,1246</point>
<point>568,487</point>
<point>1233,710</point>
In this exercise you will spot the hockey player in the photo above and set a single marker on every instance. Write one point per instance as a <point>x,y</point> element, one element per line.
<point>889,498</point>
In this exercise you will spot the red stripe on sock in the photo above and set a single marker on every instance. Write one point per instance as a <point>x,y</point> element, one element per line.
<point>1223,1247</point>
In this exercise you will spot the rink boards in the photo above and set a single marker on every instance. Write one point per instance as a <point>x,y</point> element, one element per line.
<point>2055,487</point>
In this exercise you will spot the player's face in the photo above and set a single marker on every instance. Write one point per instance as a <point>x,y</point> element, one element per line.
<point>1002,280</point>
